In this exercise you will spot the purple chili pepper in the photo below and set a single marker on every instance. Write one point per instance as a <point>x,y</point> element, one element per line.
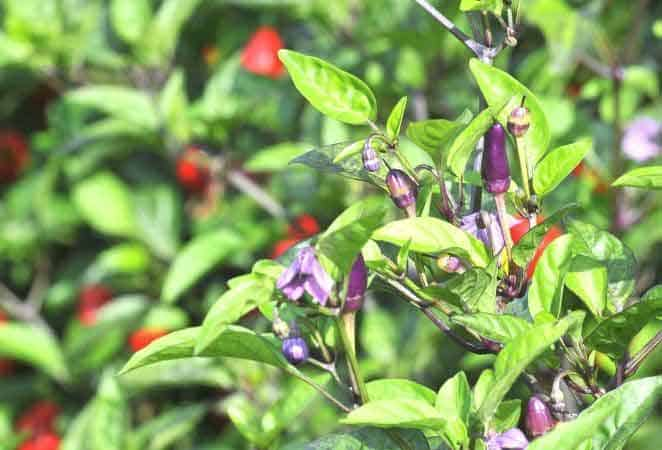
<point>357,285</point>
<point>495,170</point>
<point>538,417</point>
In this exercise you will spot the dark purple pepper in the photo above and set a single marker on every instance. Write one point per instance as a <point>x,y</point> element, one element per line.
<point>495,170</point>
<point>356,286</point>
<point>295,350</point>
<point>371,161</point>
<point>538,417</point>
<point>402,188</point>
<point>519,121</point>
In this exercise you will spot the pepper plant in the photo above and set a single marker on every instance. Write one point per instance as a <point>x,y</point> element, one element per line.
<point>553,308</point>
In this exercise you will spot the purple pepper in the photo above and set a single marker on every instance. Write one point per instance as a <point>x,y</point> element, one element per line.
<point>538,417</point>
<point>357,285</point>
<point>402,188</point>
<point>495,170</point>
<point>295,350</point>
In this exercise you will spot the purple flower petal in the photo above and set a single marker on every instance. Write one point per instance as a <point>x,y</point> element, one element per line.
<point>305,274</point>
<point>641,139</point>
<point>294,290</point>
<point>513,439</point>
<point>469,223</point>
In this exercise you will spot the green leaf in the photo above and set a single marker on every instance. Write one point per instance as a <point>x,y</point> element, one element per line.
<point>179,373</point>
<point>495,6</point>
<point>609,422</point>
<point>389,389</point>
<point>234,342</point>
<point>173,106</point>
<point>476,288</point>
<point>346,236</point>
<point>587,278</point>
<point>431,235</point>
<point>165,429</point>
<point>499,89</point>
<point>557,165</point>
<point>482,388</point>
<point>76,436</point>
<point>33,345</point>
<point>195,260</point>
<point>465,143</point>
<point>105,203</point>
<point>435,134</point>
<point>454,398</point>
<point>274,158</point>
<point>159,216</point>
<point>610,251</point>
<point>527,246</point>
<point>394,122</point>
<point>546,289</point>
<point>396,413</point>
<point>129,18</point>
<point>642,177</point>
<point>369,439</point>
<point>497,327</point>
<point>613,335</point>
<point>233,304</point>
<point>507,415</point>
<point>516,356</point>
<point>110,416</point>
<point>334,92</point>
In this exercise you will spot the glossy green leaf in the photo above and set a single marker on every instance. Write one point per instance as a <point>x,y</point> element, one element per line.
<point>587,278</point>
<point>369,439</point>
<point>233,304</point>
<point>497,327</point>
<point>546,289</point>
<point>349,150</point>
<point>274,158</point>
<point>613,335</point>
<point>195,260</point>
<point>495,6</point>
<point>454,398</point>
<point>234,342</point>
<point>334,92</point>
<point>129,18</point>
<point>609,422</point>
<point>507,415</point>
<point>500,88</point>
<point>465,143</point>
<point>35,346</point>
<point>396,413</point>
<point>557,165</point>
<point>642,177</point>
<point>394,122</point>
<point>105,203</point>
<point>482,388</point>
<point>431,235</point>
<point>394,388</point>
<point>476,288</point>
<point>434,135</point>
<point>516,356</point>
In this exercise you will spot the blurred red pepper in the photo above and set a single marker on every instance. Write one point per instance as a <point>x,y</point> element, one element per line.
<point>141,338</point>
<point>91,298</point>
<point>260,56</point>
<point>38,419</point>
<point>210,54</point>
<point>303,227</point>
<point>193,171</point>
<point>46,441</point>
<point>6,365</point>
<point>14,155</point>
<point>520,228</point>
<point>582,171</point>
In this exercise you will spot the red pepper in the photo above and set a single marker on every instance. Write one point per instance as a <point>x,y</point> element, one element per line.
<point>141,338</point>
<point>46,441</point>
<point>39,418</point>
<point>260,56</point>
<point>192,170</point>
<point>303,227</point>
<point>91,298</point>
<point>520,228</point>
<point>6,365</point>
<point>14,155</point>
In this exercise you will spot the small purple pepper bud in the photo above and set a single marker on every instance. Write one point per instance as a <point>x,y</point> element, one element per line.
<point>495,170</point>
<point>450,264</point>
<point>295,350</point>
<point>519,121</point>
<point>371,161</point>
<point>538,418</point>
<point>402,188</point>
<point>356,286</point>
<point>280,328</point>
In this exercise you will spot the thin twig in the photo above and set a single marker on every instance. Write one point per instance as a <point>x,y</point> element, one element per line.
<point>635,362</point>
<point>253,190</point>
<point>40,284</point>
<point>295,373</point>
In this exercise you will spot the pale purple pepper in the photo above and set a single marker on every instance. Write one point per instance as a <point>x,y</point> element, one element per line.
<point>295,350</point>
<point>371,161</point>
<point>495,170</point>
<point>512,439</point>
<point>357,285</point>
<point>305,274</point>
<point>538,418</point>
<point>402,188</point>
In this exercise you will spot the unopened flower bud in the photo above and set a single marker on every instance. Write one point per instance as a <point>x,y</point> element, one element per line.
<point>357,285</point>
<point>538,417</point>
<point>280,328</point>
<point>512,439</point>
<point>371,161</point>
<point>402,188</point>
<point>450,264</point>
<point>495,170</point>
<point>519,121</point>
<point>295,350</point>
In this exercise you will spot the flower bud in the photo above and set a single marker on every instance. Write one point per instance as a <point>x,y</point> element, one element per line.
<point>512,439</point>
<point>295,350</point>
<point>450,264</point>
<point>538,417</point>
<point>519,121</point>
<point>280,328</point>
<point>495,170</point>
<point>356,286</point>
<point>371,161</point>
<point>402,188</point>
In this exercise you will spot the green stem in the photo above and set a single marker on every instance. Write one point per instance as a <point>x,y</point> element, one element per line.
<point>500,201</point>
<point>344,323</point>
<point>295,373</point>
<point>524,166</point>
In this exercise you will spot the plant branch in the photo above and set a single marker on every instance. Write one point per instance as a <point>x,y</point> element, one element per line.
<point>297,374</point>
<point>635,362</point>
<point>253,190</point>
<point>358,384</point>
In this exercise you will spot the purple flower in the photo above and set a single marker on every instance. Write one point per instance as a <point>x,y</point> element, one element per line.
<point>475,225</point>
<point>295,350</point>
<point>512,439</point>
<point>305,274</point>
<point>358,283</point>
<point>641,140</point>
<point>495,170</point>
<point>538,417</point>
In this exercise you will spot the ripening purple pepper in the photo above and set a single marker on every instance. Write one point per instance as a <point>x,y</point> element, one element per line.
<point>371,161</point>
<point>519,121</point>
<point>356,286</point>
<point>295,350</point>
<point>495,170</point>
<point>538,418</point>
<point>402,188</point>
